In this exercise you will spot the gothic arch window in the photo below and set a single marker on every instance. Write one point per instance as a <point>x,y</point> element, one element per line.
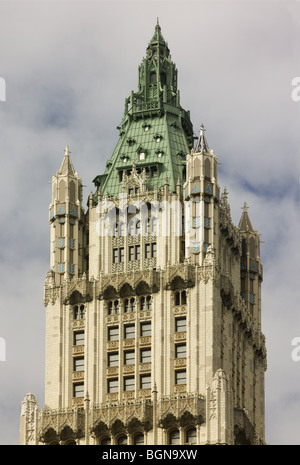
<point>71,442</point>
<point>180,298</point>
<point>122,440</point>
<point>174,437</point>
<point>113,307</point>
<point>72,191</point>
<point>138,439</point>
<point>78,312</point>
<point>154,226</point>
<point>207,169</point>
<point>191,436</point>
<point>129,305</point>
<point>62,190</point>
<point>105,441</point>
<point>145,303</point>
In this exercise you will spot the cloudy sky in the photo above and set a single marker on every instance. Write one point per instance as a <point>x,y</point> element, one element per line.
<point>68,66</point>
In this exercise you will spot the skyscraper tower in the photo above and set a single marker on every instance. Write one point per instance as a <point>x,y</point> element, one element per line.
<point>153,302</point>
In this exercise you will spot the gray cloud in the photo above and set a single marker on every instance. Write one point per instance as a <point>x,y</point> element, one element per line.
<point>68,67</point>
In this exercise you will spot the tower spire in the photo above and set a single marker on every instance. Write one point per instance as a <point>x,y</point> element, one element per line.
<point>67,165</point>
<point>245,223</point>
<point>202,145</point>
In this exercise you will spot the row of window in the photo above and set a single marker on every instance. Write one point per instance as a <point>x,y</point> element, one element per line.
<point>134,253</point>
<point>129,305</point>
<point>190,437</point>
<point>129,331</point>
<point>134,227</point>
<point>145,329</point>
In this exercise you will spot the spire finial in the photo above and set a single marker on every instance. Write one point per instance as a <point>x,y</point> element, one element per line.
<point>202,145</point>
<point>67,150</point>
<point>245,207</point>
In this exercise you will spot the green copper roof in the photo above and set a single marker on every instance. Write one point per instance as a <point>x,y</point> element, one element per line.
<point>156,133</point>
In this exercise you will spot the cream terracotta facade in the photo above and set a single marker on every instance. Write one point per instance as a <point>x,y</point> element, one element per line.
<point>153,333</point>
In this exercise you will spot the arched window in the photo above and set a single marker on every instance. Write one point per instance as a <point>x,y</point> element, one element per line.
<point>191,436</point>
<point>122,229</point>
<point>113,307</point>
<point>145,303</point>
<point>138,228</point>
<point>122,440</point>
<point>180,298</point>
<point>131,228</point>
<point>148,302</point>
<point>71,442</point>
<point>132,304</point>
<point>106,441</point>
<point>174,438</point>
<point>126,305</point>
<point>138,439</point>
<point>183,298</point>
<point>154,226</point>
<point>78,312</point>
<point>110,308</point>
<point>82,312</point>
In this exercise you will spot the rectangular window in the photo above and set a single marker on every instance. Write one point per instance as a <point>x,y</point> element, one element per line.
<point>180,351</point>
<point>180,324</point>
<point>145,329</point>
<point>145,382</point>
<point>78,390</point>
<point>113,385</point>
<point>129,357</point>
<point>147,251</point>
<point>115,255</point>
<point>129,331</point>
<point>131,253</point>
<point>138,252</point>
<point>113,333</point>
<point>78,364</point>
<point>180,377</point>
<point>121,254</point>
<point>153,250</point>
<point>113,359</point>
<point>78,338</point>
<point>129,384</point>
<point>145,355</point>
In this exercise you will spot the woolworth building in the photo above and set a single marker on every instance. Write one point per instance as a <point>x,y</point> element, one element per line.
<point>153,296</point>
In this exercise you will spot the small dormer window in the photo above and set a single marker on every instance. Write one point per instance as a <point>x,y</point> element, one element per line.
<point>142,155</point>
<point>157,137</point>
<point>159,153</point>
<point>146,126</point>
<point>130,142</point>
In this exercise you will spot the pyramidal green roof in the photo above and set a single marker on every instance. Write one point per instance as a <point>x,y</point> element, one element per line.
<point>156,133</point>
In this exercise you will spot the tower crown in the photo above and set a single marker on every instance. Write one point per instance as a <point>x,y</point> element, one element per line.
<point>156,132</point>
